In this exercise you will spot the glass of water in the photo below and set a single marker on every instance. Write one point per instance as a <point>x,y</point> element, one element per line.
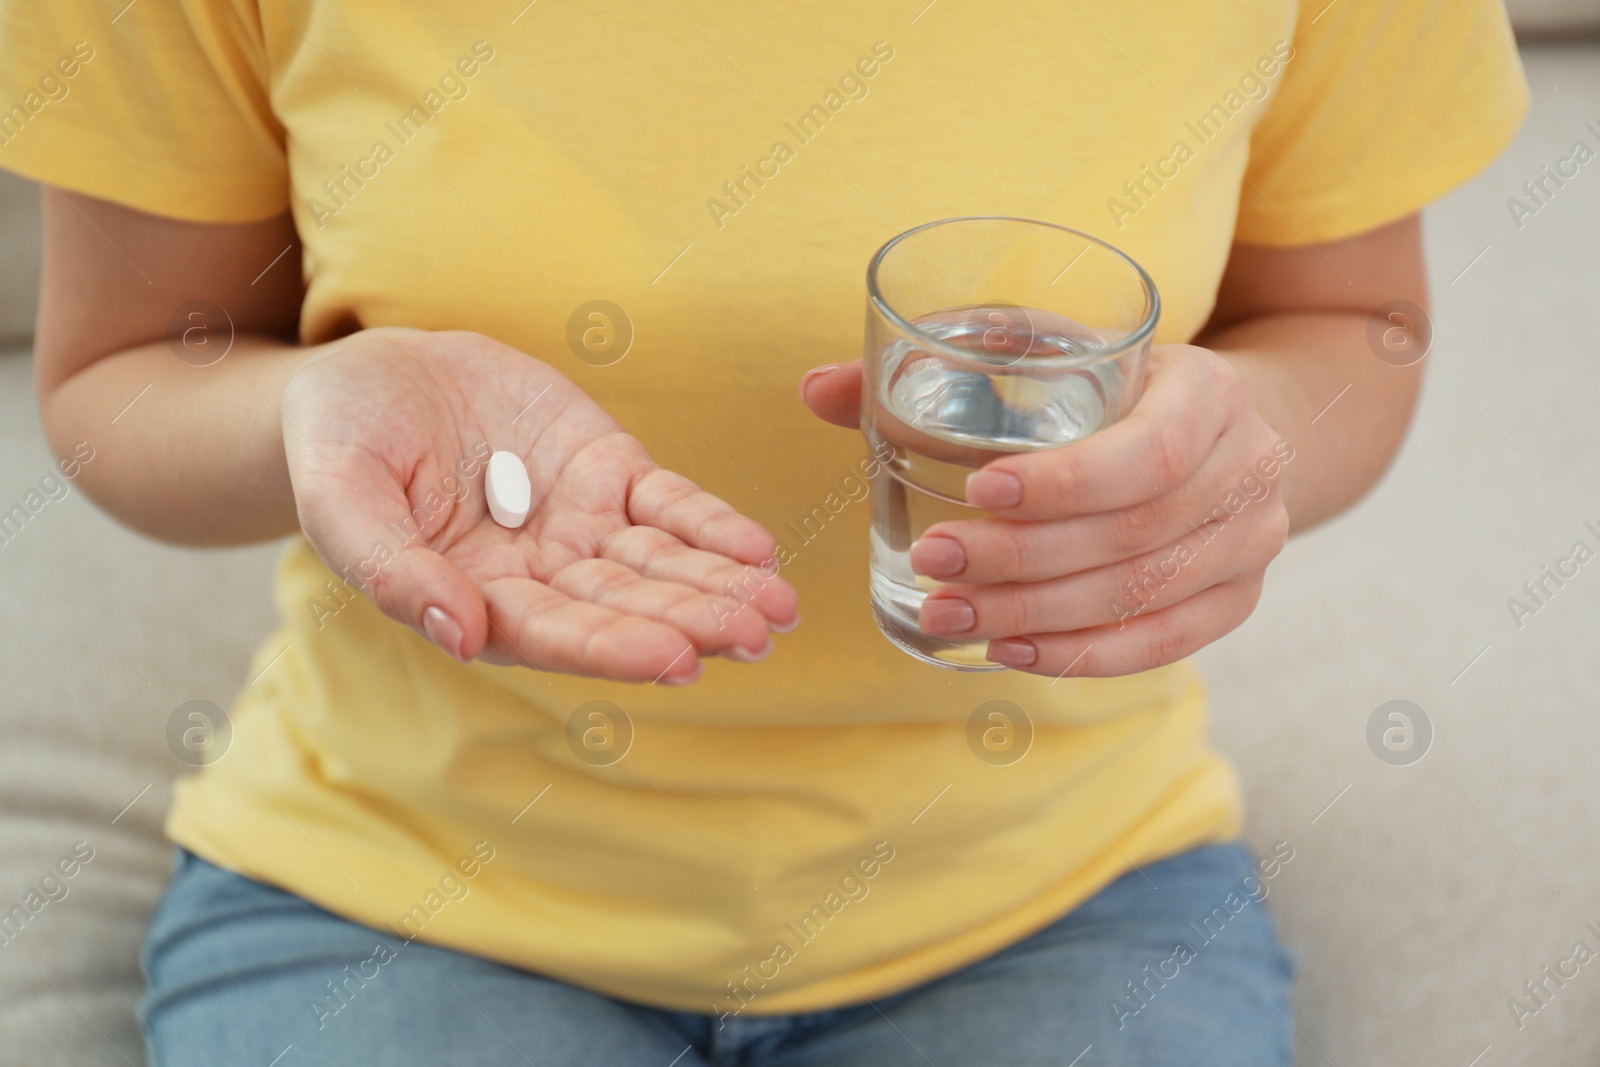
<point>985,336</point>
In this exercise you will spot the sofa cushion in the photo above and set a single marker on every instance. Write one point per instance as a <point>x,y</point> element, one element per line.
<point>106,634</point>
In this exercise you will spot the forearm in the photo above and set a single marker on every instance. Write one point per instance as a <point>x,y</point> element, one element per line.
<point>183,453</point>
<point>1344,411</point>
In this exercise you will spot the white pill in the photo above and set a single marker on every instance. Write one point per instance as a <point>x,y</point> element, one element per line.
<point>507,487</point>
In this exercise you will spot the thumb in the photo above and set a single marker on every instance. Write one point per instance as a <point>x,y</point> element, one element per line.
<point>833,393</point>
<point>358,518</point>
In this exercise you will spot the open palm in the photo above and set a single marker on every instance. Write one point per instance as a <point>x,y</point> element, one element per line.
<point>624,570</point>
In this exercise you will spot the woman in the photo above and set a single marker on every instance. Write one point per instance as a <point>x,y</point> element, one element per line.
<point>560,795</point>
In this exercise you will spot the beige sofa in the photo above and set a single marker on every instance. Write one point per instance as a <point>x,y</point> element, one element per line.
<point>1422,895</point>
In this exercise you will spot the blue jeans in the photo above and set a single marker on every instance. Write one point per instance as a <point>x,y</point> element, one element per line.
<point>235,969</point>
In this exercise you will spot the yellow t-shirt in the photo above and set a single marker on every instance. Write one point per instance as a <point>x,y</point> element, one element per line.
<point>817,827</point>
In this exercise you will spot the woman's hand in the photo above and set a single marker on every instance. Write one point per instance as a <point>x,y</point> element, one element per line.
<point>1125,551</point>
<point>623,570</point>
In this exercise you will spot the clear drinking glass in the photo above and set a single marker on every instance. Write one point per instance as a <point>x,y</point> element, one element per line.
<point>985,336</point>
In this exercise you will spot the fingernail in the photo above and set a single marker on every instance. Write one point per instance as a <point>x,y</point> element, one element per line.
<point>787,629</point>
<point>938,556</point>
<point>1013,652</point>
<point>947,615</point>
<point>993,489</point>
<point>443,631</point>
<point>812,375</point>
<point>686,679</point>
<point>744,655</point>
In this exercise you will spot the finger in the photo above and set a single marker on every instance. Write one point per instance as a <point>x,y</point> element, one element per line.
<point>534,624</point>
<point>1189,397</point>
<point>1150,641</point>
<point>673,503</point>
<point>1006,550</point>
<point>360,521</point>
<point>1114,593</point>
<point>657,554</point>
<point>713,623</point>
<point>833,393</point>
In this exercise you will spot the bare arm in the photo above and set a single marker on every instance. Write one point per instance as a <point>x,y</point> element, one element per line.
<point>373,445</point>
<point>198,457</point>
<point>1294,321</point>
